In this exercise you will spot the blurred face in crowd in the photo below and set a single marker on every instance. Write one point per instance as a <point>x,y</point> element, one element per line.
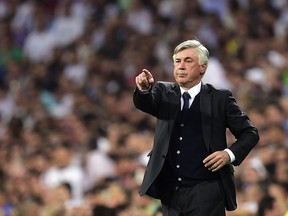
<point>61,157</point>
<point>187,71</point>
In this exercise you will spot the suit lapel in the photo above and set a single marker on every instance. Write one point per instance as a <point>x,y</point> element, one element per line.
<point>206,112</point>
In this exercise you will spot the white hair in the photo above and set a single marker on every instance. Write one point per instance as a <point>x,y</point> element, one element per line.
<point>203,52</point>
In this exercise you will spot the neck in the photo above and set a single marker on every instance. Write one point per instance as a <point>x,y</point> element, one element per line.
<point>188,86</point>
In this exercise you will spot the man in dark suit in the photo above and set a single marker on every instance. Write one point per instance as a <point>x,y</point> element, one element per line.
<point>190,166</point>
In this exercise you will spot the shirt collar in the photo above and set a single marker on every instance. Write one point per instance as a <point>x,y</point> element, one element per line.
<point>192,91</point>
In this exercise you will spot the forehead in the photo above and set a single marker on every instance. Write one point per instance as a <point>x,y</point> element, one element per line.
<point>189,52</point>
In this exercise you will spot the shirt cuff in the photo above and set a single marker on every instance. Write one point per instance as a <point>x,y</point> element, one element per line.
<point>145,91</point>
<point>231,155</point>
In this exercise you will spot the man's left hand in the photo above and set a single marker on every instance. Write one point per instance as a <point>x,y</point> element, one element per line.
<point>216,160</point>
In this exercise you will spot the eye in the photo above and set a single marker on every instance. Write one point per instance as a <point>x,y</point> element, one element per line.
<point>188,61</point>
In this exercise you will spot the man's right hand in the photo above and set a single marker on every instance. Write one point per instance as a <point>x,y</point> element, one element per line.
<point>144,80</point>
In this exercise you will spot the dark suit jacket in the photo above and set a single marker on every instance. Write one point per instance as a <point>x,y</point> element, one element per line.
<point>219,111</point>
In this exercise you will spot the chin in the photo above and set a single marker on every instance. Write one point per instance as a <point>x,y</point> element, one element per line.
<point>181,81</point>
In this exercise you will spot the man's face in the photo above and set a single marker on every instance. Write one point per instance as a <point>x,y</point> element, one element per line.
<point>61,157</point>
<point>187,71</point>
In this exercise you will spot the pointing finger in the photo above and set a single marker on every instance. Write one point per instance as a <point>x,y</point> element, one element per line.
<point>149,76</point>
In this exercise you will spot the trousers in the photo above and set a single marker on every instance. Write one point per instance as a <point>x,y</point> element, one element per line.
<point>204,199</point>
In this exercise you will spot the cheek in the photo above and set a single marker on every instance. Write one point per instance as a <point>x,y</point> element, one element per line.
<point>194,71</point>
<point>174,71</point>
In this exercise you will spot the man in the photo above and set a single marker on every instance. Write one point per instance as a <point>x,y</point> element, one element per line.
<point>269,206</point>
<point>64,172</point>
<point>190,166</point>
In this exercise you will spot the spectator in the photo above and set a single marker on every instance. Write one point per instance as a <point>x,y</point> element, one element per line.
<point>39,43</point>
<point>66,26</point>
<point>64,171</point>
<point>268,207</point>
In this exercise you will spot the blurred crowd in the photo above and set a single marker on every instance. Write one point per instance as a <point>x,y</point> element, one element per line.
<point>71,140</point>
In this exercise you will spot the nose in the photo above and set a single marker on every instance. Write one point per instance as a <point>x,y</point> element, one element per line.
<point>181,65</point>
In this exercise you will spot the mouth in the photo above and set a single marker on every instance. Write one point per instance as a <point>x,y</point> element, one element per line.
<point>181,73</point>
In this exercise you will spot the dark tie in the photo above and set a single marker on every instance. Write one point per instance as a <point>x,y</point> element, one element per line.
<point>186,98</point>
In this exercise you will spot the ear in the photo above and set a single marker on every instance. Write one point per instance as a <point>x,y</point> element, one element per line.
<point>203,68</point>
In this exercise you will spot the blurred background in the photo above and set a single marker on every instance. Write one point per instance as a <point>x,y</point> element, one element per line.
<point>71,141</point>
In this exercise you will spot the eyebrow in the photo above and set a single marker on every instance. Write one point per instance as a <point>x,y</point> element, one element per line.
<point>184,58</point>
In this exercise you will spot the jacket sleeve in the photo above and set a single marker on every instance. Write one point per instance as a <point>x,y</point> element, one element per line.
<point>241,127</point>
<point>150,100</point>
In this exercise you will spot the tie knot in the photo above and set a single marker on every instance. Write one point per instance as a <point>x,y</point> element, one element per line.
<point>186,96</point>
